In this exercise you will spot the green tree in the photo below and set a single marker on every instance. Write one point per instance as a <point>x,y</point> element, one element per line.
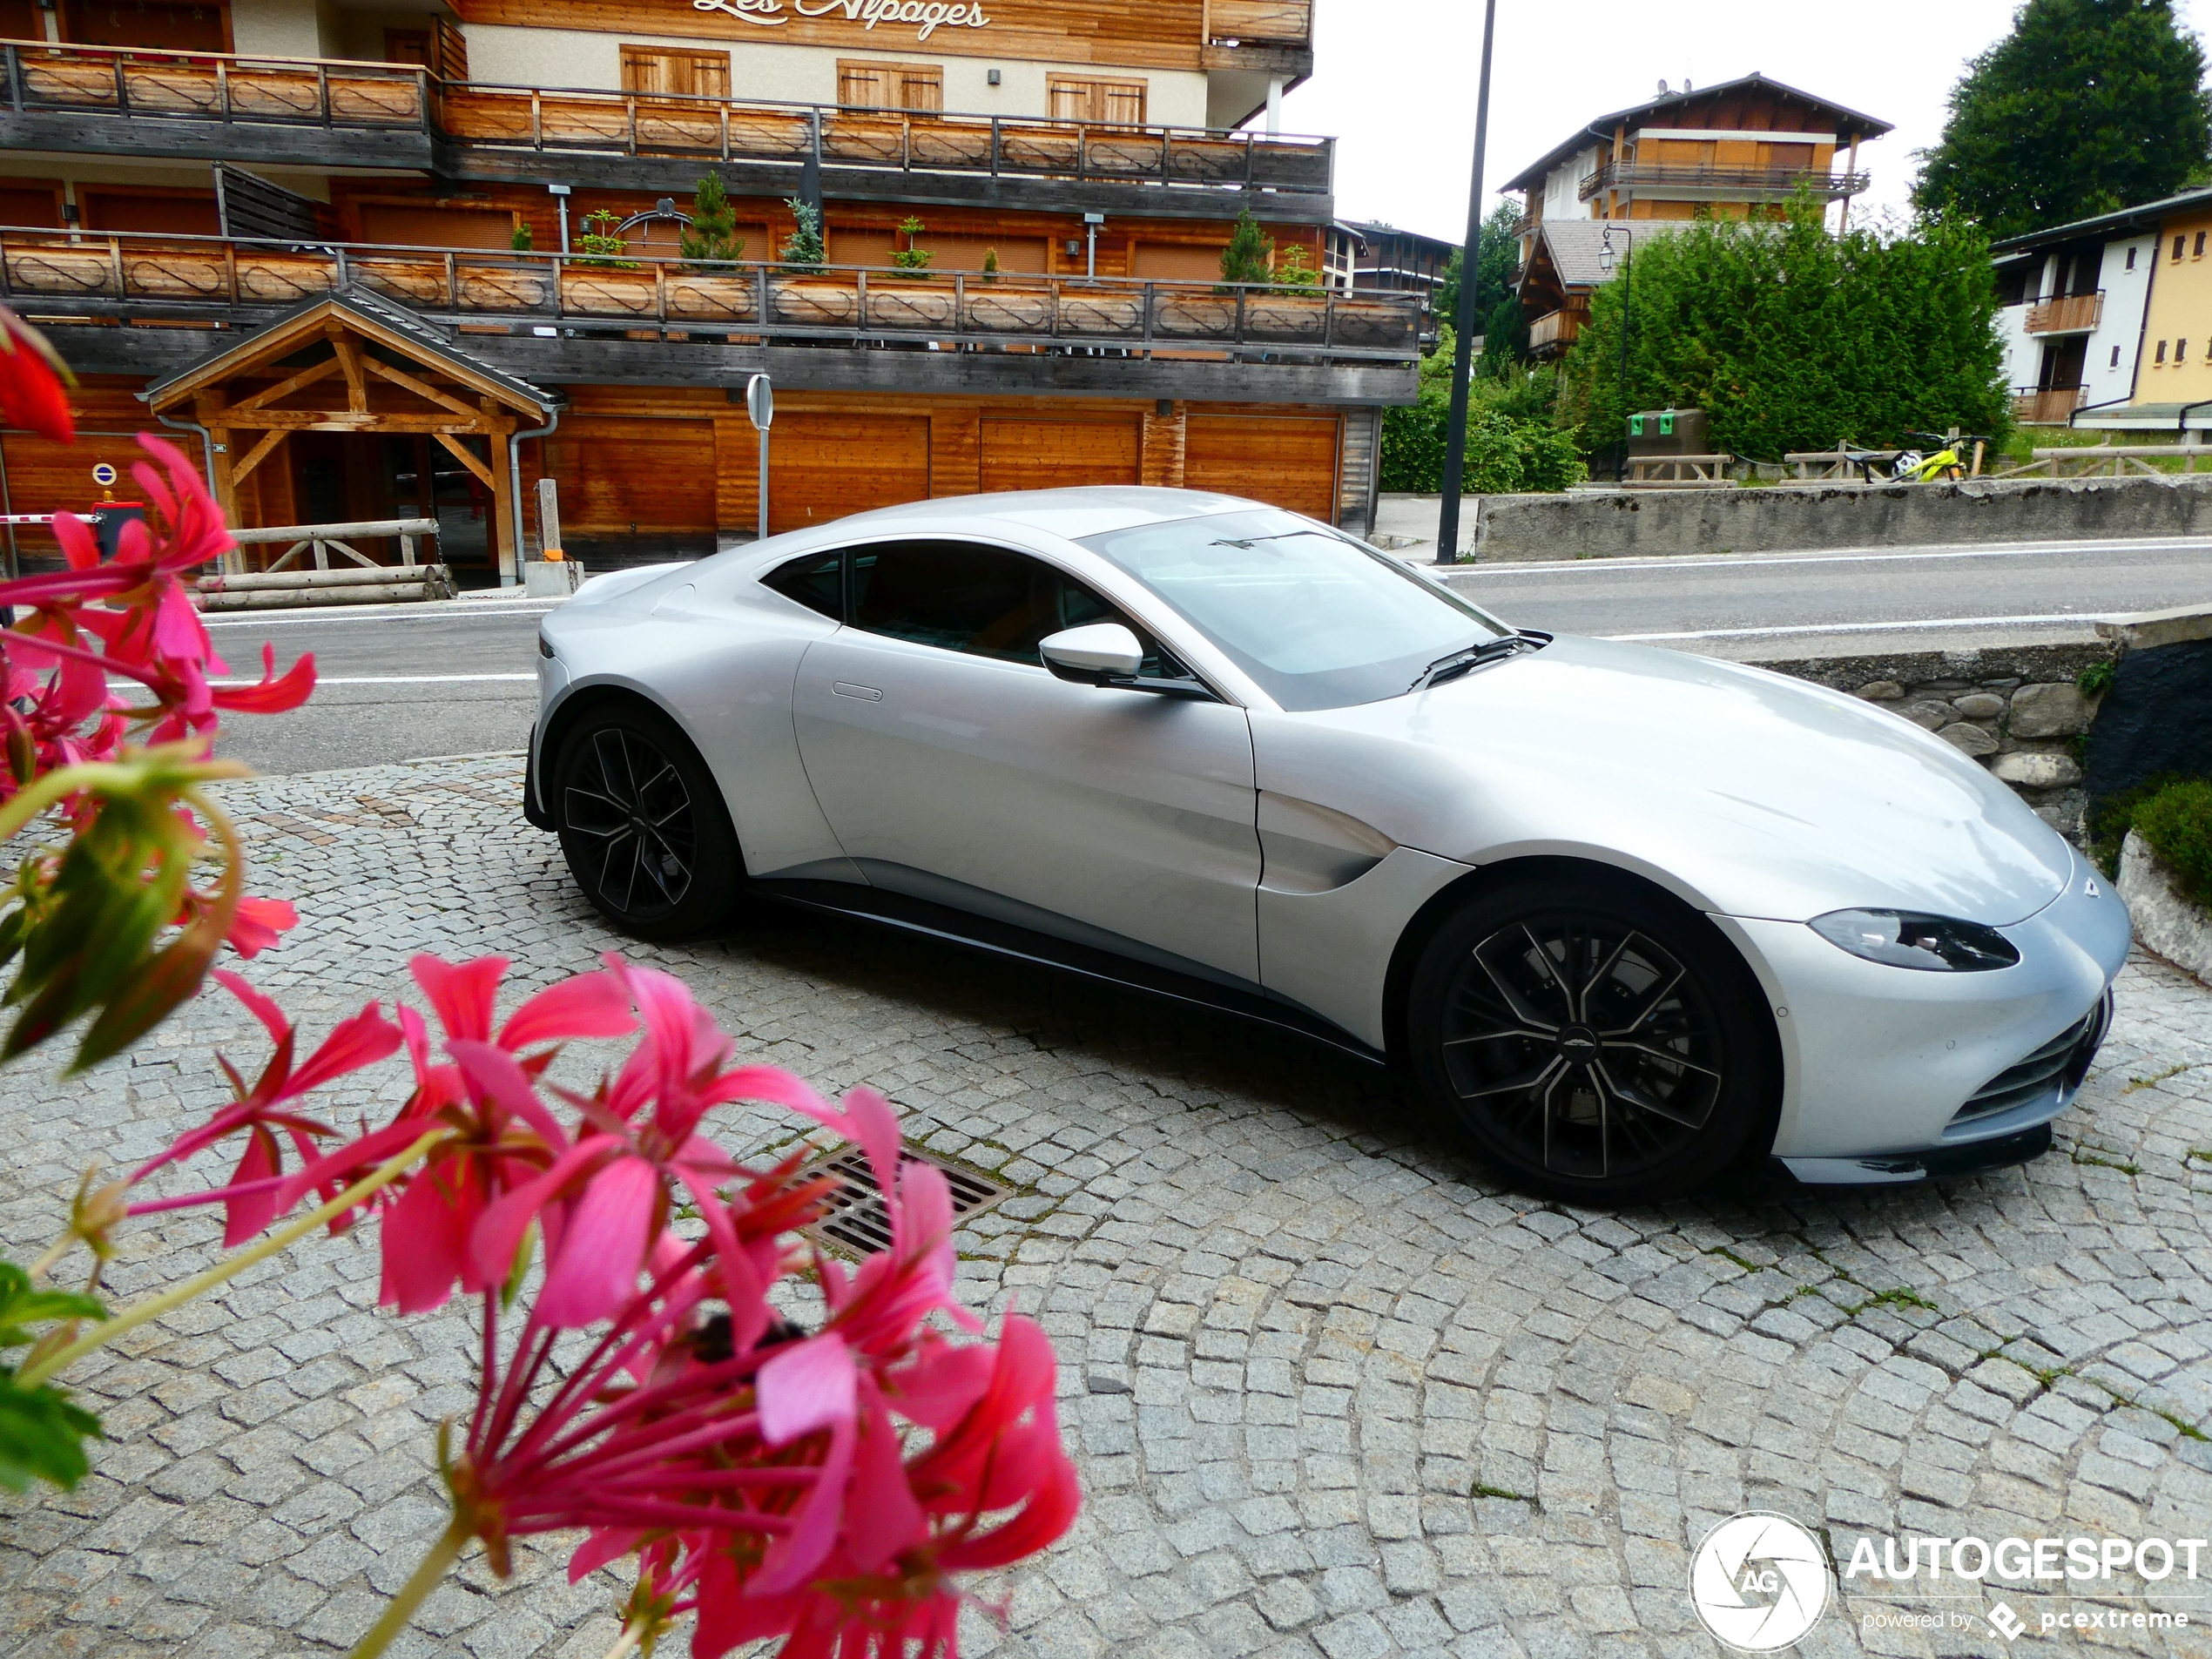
<point>1514,443</point>
<point>711,233</point>
<point>802,249</point>
<point>1249,252</point>
<point>2087,106</point>
<point>1792,338</point>
<point>1498,250</point>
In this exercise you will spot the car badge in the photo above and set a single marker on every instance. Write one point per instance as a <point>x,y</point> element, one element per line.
<point>2092,887</point>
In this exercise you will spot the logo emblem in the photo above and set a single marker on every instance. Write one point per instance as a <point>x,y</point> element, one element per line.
<point>1760,1582</point>
<point>2008,1623</point>
<point>1578,1043</point>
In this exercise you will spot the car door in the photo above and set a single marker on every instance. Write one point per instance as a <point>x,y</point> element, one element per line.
<point>953,766</point>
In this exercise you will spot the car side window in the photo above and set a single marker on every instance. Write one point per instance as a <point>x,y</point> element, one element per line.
<point>985,601</point>
<point>817,580</point>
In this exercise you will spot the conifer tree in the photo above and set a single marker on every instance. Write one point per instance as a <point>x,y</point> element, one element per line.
<point>711,233</point>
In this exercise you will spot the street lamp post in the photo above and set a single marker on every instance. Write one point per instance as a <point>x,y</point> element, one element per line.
<point>1628,293</point>
<point>1455,438</point>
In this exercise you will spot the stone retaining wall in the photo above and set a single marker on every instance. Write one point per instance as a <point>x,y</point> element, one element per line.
<point>1606,523</point>
<point>2019,710</point>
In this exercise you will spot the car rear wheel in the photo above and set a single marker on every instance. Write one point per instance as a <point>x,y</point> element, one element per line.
<point>642,825</point>
<point>1594,1039</point>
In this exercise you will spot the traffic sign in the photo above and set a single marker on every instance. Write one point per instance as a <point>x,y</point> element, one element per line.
<point>103,474</point>
<point>760,402</point>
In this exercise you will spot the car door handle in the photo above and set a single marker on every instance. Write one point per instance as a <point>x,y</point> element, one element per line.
<point>846,688</point>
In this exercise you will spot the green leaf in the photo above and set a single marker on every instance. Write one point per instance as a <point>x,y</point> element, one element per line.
<point>42,1435</point>
<point>21,1305</point>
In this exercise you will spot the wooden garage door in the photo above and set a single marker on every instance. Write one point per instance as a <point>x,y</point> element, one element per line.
<point>1286,460</point>
<point>619,476</point>
<point>822,467</point>
<point>1020,453</point>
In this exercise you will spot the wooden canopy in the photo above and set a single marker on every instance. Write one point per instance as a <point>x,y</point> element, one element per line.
<point>355,362</point>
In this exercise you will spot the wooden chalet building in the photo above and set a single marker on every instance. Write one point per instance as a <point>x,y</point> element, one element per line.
<point>401,259</point>
<point>1732,151</point>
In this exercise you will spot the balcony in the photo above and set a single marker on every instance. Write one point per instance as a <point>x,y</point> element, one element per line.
<point>2046,406</point>
<point>2072,314</point>
<point>1266,37</point>
<point>310,112</point>
<point>1718,184</point>
<point>1555,330</point>
<point>651,321</point>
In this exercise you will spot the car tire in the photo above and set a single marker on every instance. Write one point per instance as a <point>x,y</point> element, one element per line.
<point>642,824</point>
<point>1594,1039</point>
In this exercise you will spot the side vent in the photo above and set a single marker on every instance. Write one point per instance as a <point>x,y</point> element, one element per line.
<point>856,1219</point>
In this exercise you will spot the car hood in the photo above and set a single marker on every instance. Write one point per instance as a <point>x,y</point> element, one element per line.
<point>1749,793</point>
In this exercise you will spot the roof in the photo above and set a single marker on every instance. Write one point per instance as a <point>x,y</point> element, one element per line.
<point>2144,216</point>
<point>369,313</point>
<point>2146,417</point>
<point>1847,122</point>
<point>1577,244</point>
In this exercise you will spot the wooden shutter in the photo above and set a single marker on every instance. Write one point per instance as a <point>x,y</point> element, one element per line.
<point>408,46</point>
<point>19,20</point>
<point>675,71</point>
<point>1073,97</point>
<point>170,25</point>
<point>397,225</point>
<point>35,204</point>
<point>865,85</point>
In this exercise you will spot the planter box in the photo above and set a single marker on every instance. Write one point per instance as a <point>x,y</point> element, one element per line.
<point>2165,922</point>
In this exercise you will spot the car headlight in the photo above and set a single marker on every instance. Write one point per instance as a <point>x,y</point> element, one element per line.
<point>1908,939</point>
<point>544,646</point>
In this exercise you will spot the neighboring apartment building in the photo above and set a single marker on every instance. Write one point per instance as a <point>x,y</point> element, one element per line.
<point>350,246</point>
<point>1731,151</point>
<point>2108,321</point>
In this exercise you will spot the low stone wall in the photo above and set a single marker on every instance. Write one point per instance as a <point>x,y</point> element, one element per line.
<point>1607,523</point>
<point>2019,710</point>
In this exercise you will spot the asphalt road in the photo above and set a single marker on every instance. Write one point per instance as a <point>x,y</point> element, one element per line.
<point>409,682</point>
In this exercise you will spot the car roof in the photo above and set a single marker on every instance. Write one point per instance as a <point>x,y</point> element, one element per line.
<point>1073,514</point>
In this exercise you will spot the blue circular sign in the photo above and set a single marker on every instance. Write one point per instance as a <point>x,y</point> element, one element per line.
<point>102,475</point>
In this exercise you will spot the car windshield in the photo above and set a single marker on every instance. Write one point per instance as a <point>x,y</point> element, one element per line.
<point>1318,620</point>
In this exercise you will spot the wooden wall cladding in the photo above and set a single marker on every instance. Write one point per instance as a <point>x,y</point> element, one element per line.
<point>618,476</point>
<point>1026,453</point>
<point>822,467</point>
<point>1160,34</point>
<point>1286,460</point>
<point>37,476</point>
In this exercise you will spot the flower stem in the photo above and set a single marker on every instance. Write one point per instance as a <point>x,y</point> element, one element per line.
<point>55,1251</point>
<point>154,1306</point>
<point>627,1641</point>
<point>426,1576</point>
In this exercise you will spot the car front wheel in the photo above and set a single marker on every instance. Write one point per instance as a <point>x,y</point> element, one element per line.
<point>1595,1040</point>
<point>642,825</point>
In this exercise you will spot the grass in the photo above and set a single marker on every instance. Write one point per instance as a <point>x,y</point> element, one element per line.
<point>2157,1078</point>
<point>1482,1491</point>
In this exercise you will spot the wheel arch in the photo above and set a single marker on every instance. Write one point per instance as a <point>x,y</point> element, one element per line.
<point>1505,872</point>
<point>590,699</point>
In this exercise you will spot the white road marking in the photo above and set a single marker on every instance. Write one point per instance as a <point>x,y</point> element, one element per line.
<point>1856,627</point>
<point>408,613</point>
<point>372,680</point>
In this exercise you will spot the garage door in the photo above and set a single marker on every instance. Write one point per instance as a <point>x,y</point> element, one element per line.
<point>822,467</point>
<point>1051,455</point>
<point>1286,460</point>
<point>622,477</point>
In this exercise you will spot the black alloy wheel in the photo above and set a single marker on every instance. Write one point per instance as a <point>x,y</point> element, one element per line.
<point>1595,1039</point>
<point>642,825</point>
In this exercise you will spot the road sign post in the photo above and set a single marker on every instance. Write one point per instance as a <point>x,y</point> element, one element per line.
<point>760,408</point>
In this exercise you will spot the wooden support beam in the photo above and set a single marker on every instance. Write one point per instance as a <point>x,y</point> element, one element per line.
<point>421,388</point>
<point>509,533</point>
<point>254,456</point>
<point>345,421</point>
<point>466,456</point>
<point>282,390</point>
<point>349,359</point>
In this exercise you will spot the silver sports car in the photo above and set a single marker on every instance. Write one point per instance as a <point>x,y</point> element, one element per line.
<point>1630,915</point>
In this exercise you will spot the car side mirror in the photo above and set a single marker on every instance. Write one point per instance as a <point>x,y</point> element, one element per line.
<point>1094,654</point>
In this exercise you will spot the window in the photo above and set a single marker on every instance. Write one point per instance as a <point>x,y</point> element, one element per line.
<point>2162,352</point>
<point>2131,259</point>
<point>675,71</point>
<point>1070,97</point>
<point>2116,358</point>
<point>1319,621</point>
<point>2179,242</point>
<point>2200,245</point>
<point>816,580</point>
<point>862,86</point>
<point>958,596</point>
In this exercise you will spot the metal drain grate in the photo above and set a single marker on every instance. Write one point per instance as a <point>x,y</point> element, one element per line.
<point>856,1219</point>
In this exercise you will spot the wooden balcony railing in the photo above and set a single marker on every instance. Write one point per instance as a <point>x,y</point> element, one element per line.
<point>1274,23</point>
<point>279,93</point>
<point>2072,314</point>
<point>1721,183</point>
<point>187,279</point>
<point>1555,329</point>
<point>2046,406</point>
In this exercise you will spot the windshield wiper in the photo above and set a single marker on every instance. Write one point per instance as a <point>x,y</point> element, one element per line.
<point>1465,661</point>
<point>1249,542</point>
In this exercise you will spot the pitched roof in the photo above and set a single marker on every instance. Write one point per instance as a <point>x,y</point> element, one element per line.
<point>2142,217</point>
<point>1847,122</point>
<point>376,316</point>
<point>1576,244</point>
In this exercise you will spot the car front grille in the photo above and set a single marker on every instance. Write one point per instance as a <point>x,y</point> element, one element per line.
<point>2046,1077</point>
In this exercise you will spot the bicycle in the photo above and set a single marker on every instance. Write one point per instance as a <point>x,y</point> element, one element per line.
<point>1950,461</point>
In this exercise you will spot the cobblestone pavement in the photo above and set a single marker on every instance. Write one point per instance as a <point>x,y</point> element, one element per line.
<point>1334,1392</point>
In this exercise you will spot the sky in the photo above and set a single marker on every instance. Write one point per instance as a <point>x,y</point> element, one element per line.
<point>1395,82</point>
